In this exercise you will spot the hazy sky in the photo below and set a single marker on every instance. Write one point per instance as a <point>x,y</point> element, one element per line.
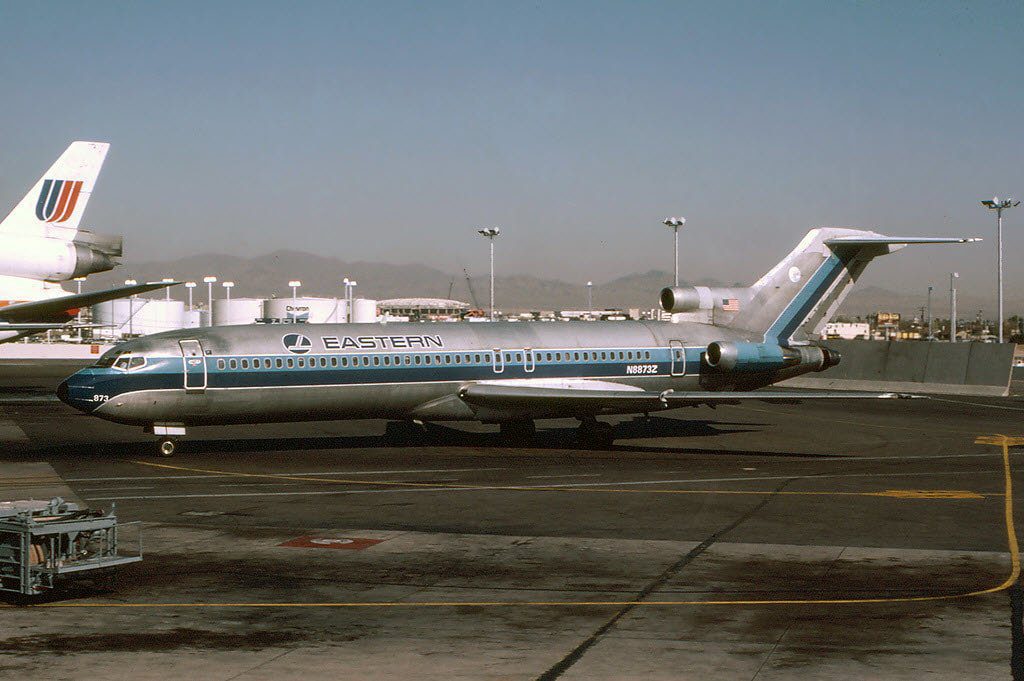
<point>391,131</point>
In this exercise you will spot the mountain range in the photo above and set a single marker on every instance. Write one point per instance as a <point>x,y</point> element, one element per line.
<point>268,275</point>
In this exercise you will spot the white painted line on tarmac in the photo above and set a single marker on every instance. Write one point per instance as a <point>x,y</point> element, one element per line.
<point>567,475</point>
<point>314,473</point>
<point>289,494</point>
<point>114,489</point>
<point>977,404</point>
<point>513,488</point>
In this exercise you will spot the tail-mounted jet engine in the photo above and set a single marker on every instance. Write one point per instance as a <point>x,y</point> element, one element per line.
<point>55,259</point>
<point>757,357</point>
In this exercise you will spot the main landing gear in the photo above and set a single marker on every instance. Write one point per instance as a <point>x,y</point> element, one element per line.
<point>517,431</point>
<point>594,434</point>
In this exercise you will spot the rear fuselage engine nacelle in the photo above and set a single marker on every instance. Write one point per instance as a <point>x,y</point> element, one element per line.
<point>46,259</point>
<point>732,356</point>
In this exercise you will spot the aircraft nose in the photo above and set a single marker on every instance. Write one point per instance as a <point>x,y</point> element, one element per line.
<point>62,392</point>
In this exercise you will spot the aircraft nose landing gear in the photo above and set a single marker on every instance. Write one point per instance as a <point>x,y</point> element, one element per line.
<point>169,434</point>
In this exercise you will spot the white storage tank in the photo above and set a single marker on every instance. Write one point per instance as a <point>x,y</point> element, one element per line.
<point>237,311</point>
<point>195,319</point>
<point>307,310</point>
<point>137,317</point>
<point>364,311</point>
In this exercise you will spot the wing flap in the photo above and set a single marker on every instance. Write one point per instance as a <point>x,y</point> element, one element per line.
<point>546,400</point>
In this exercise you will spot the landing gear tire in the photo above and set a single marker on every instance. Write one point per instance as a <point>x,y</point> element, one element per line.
<point>595,434</point>
<point>168,447</point>
<point>518,431</point>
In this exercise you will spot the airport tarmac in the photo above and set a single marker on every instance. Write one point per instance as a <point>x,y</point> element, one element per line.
<point>833,540</point>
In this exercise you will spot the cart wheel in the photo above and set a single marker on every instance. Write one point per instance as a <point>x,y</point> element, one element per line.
<point>167,447</point>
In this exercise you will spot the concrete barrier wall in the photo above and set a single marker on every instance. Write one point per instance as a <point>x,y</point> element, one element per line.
<point>914,366</point>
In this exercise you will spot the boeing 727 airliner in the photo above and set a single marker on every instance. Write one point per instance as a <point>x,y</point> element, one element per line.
<point>505,373</point>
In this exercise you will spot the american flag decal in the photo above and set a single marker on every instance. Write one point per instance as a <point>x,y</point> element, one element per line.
<point>730,304</point>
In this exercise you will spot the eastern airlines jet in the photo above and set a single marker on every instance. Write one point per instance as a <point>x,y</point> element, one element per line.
<point>41,245</point>
<point>505,373</point>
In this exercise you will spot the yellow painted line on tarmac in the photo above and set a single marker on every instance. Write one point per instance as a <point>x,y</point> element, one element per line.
<point>892,493</point>
<point>1011,579</point>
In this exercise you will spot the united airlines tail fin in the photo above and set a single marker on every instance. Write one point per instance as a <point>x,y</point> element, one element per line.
<point>54,206</point>
<point>795,299</point>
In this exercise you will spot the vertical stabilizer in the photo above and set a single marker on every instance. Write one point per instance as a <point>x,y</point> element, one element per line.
<point>54,206</point>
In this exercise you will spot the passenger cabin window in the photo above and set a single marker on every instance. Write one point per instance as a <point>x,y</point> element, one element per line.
<point>220,364</point>
<point>344,361</point>
<point>291,363</point>
<point>476,358</point>
<point>279,362</point>
<point>519,357</point>
<point>416,359</point>
<point>387,361</point>
<point>376,361</point>
<point>458,359</point>
<point>233,364</point>
<point>334,362</point>
<point>245,364</point>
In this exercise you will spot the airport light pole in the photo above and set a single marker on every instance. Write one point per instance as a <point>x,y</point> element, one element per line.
<point>210,281</point>
<point>675,224</point>
<point>490,233</point>
<point>999,206</point>
<point>953,276</point>
<point>190,285</point>
<point>590,300</point>
<point>929,313</point>
<point>228,285</point>
<point>167,289</point>
<point>78,317</point>
<point>295,284</point>
<point>131,308</point>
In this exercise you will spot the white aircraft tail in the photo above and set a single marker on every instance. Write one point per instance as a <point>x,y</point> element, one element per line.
<point>795,299</point>
<point>54,206</point>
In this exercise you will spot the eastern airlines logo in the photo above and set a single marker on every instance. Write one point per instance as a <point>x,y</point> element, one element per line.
<point>57,200</point>
<point>297,343</point>
<point>381,342</point>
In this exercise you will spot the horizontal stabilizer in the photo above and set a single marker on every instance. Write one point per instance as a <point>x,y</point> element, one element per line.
<point>898,240</point>
<point>51,308</point>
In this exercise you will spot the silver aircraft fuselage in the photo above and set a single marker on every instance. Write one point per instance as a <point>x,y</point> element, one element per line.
<point>274,373</point>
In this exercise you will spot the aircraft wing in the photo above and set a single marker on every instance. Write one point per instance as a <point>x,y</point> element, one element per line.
<point>50,308</point>
<point>543,399</point>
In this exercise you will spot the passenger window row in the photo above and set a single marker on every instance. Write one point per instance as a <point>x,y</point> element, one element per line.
<point>447,359</point>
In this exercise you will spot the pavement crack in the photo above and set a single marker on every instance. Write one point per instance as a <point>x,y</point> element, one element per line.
<point>261,664</point>
<point>574,656</point>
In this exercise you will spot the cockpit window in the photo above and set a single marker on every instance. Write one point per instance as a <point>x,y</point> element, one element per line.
<point>122,360</point>
<point>108,358</point>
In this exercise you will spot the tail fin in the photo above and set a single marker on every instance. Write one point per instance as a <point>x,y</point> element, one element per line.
<point>54,206</point>
<point>798,296</point>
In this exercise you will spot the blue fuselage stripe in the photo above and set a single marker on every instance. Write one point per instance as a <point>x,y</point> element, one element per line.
<point>163,373</point>
<point>804,301</point>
